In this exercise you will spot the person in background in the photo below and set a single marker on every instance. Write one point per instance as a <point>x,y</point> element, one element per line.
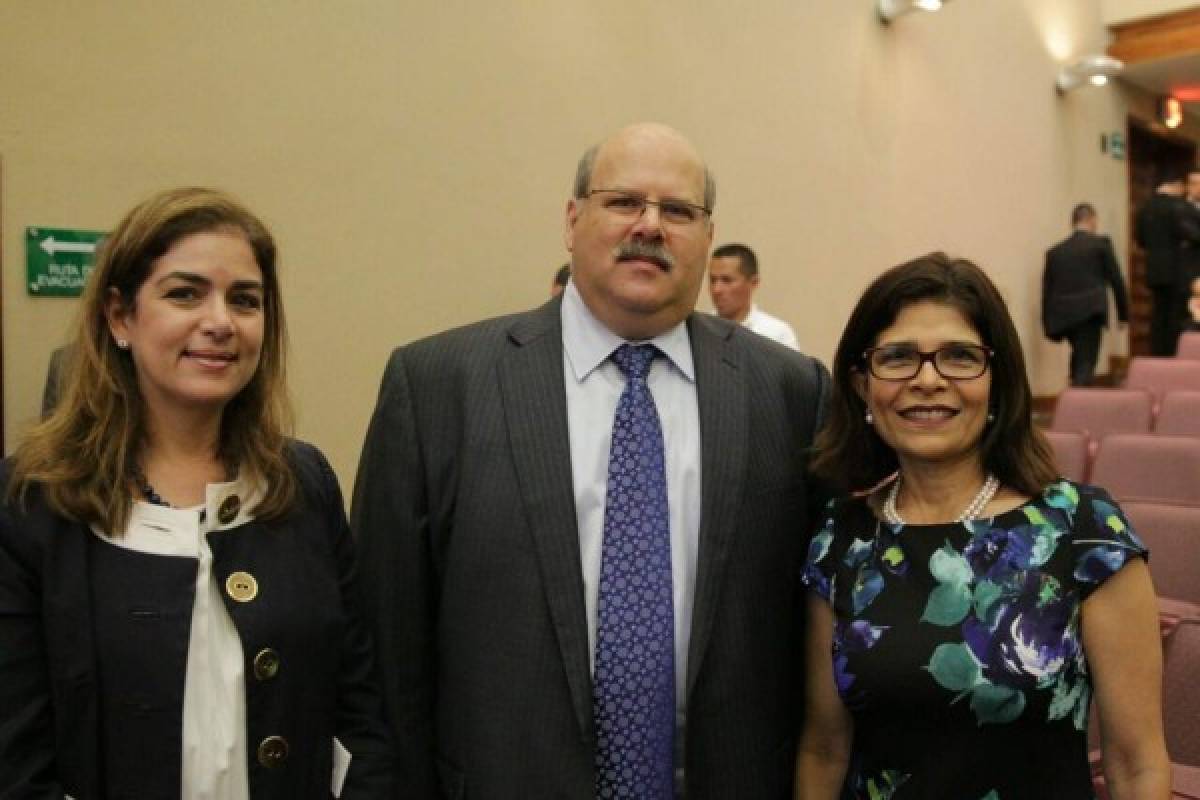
<point>966,603</point>
<point>60,361</point>
<point>1164,227</point>
<point>1191,249</point>
<point>179,609</point>
<point>732,280</point>
<point>1079,272</point>
<point>561,276</point>
<point>1191,190</point>
<point>1194,306</point>
<point>580,523</point>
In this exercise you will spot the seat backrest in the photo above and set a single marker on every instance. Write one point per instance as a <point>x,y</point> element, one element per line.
<point>1179,414</point>
<point>1070,453</point>
<point>1149,467</point>
<point>1161,375</point>
<point>1181,693</point>
<point>1099,412</point>
<point>1189,346</point>
<point>1172,533</point>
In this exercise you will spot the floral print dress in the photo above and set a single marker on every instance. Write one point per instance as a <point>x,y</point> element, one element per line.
<point>958,649</point>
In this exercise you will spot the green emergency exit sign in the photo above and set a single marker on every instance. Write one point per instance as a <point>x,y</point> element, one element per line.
<point>59,260</point>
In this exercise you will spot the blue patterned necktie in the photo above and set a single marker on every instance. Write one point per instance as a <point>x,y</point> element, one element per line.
<point>633,696</point>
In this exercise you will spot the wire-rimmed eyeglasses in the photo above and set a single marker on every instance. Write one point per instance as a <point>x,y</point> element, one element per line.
<point>632,205</point>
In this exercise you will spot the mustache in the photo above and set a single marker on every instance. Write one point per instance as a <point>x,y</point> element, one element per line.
<point>648,250</point>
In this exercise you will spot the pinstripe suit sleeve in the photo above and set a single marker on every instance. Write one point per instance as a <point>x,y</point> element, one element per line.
<point>391,523</point>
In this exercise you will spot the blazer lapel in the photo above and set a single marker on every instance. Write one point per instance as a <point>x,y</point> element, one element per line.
<point>535,410</point>
<point>721,395</point>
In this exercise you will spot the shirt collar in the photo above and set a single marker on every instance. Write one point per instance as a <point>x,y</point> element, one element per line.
<point>588,343</point>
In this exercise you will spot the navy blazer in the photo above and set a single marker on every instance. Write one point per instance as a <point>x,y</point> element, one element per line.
<point>307,612</point>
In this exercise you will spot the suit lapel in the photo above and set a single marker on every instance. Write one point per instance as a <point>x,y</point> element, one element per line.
<point>535,410</point>
<point>721,395</point>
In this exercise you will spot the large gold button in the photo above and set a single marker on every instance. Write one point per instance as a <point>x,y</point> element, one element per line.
<point>272,751</point>
<point>241,586</point>
<point>266,664</point>
<point>229,509</point>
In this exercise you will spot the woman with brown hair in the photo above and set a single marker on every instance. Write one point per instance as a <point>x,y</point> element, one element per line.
<point>179,613</point>
<point>965,601</point>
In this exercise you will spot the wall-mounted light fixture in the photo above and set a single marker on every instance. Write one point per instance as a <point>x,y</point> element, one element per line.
<point>1095,70</point>
<point>890,9</point>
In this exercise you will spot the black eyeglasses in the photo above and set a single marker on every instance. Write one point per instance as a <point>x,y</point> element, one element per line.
<point>631,205</point>
<point>902,362</point>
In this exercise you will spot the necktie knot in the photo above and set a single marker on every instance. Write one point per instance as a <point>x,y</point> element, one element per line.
<point>634,360</point>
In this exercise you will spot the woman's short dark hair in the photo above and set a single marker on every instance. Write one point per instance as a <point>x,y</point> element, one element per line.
<point>850,454</point>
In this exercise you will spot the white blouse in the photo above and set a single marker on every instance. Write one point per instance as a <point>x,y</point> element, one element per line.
<point>214,695</point>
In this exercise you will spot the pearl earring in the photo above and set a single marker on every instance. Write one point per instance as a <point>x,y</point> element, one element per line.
<point>869,417</point>
<point>123,344</point>
<point>991,417</point>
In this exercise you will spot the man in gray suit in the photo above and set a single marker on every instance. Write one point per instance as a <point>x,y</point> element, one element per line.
<point>486,518</point>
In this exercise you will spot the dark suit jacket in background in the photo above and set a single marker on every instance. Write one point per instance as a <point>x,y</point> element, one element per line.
<point>54,376</point>
<point>465,517</point>
<point>1191,250</point>
<point>1161,228</point>
<point>1079,271</point>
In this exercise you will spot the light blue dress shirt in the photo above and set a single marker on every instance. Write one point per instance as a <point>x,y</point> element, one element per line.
<point>594,385</point>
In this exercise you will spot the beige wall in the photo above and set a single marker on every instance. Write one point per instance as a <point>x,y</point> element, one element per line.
<point>414,158</point>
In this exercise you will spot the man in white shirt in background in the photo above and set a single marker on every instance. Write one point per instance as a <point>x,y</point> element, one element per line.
<point>732,279</point>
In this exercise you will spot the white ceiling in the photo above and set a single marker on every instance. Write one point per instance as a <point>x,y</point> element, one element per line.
<point>1117,12</point>
<point>1179,76</point>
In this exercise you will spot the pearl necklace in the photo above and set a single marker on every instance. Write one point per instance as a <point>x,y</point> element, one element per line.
<point>986,493</point>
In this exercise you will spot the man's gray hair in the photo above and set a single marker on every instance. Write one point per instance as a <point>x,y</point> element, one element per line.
<point>587,162</point>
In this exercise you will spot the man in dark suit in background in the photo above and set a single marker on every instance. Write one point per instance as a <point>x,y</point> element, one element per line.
<point>525,484</point>
<point>1191,191</point>
<point>1079,271</point>
<point>559,283</point>
<point>54,374</point>
<point>1191,250</point>
<point>1163,228</point>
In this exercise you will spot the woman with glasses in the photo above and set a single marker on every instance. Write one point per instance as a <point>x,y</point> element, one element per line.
<point>179,614</point>
<point>966,603</point>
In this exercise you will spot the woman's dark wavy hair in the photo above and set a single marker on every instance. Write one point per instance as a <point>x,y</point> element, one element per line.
<point>849,453</point>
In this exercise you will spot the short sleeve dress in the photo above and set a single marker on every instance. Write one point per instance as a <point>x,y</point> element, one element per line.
<point>958,649</point>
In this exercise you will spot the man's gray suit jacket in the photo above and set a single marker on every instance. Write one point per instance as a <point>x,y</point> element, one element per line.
<point>464,512</point>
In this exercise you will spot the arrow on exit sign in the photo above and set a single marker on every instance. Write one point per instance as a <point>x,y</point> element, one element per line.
<point>51,246</point>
